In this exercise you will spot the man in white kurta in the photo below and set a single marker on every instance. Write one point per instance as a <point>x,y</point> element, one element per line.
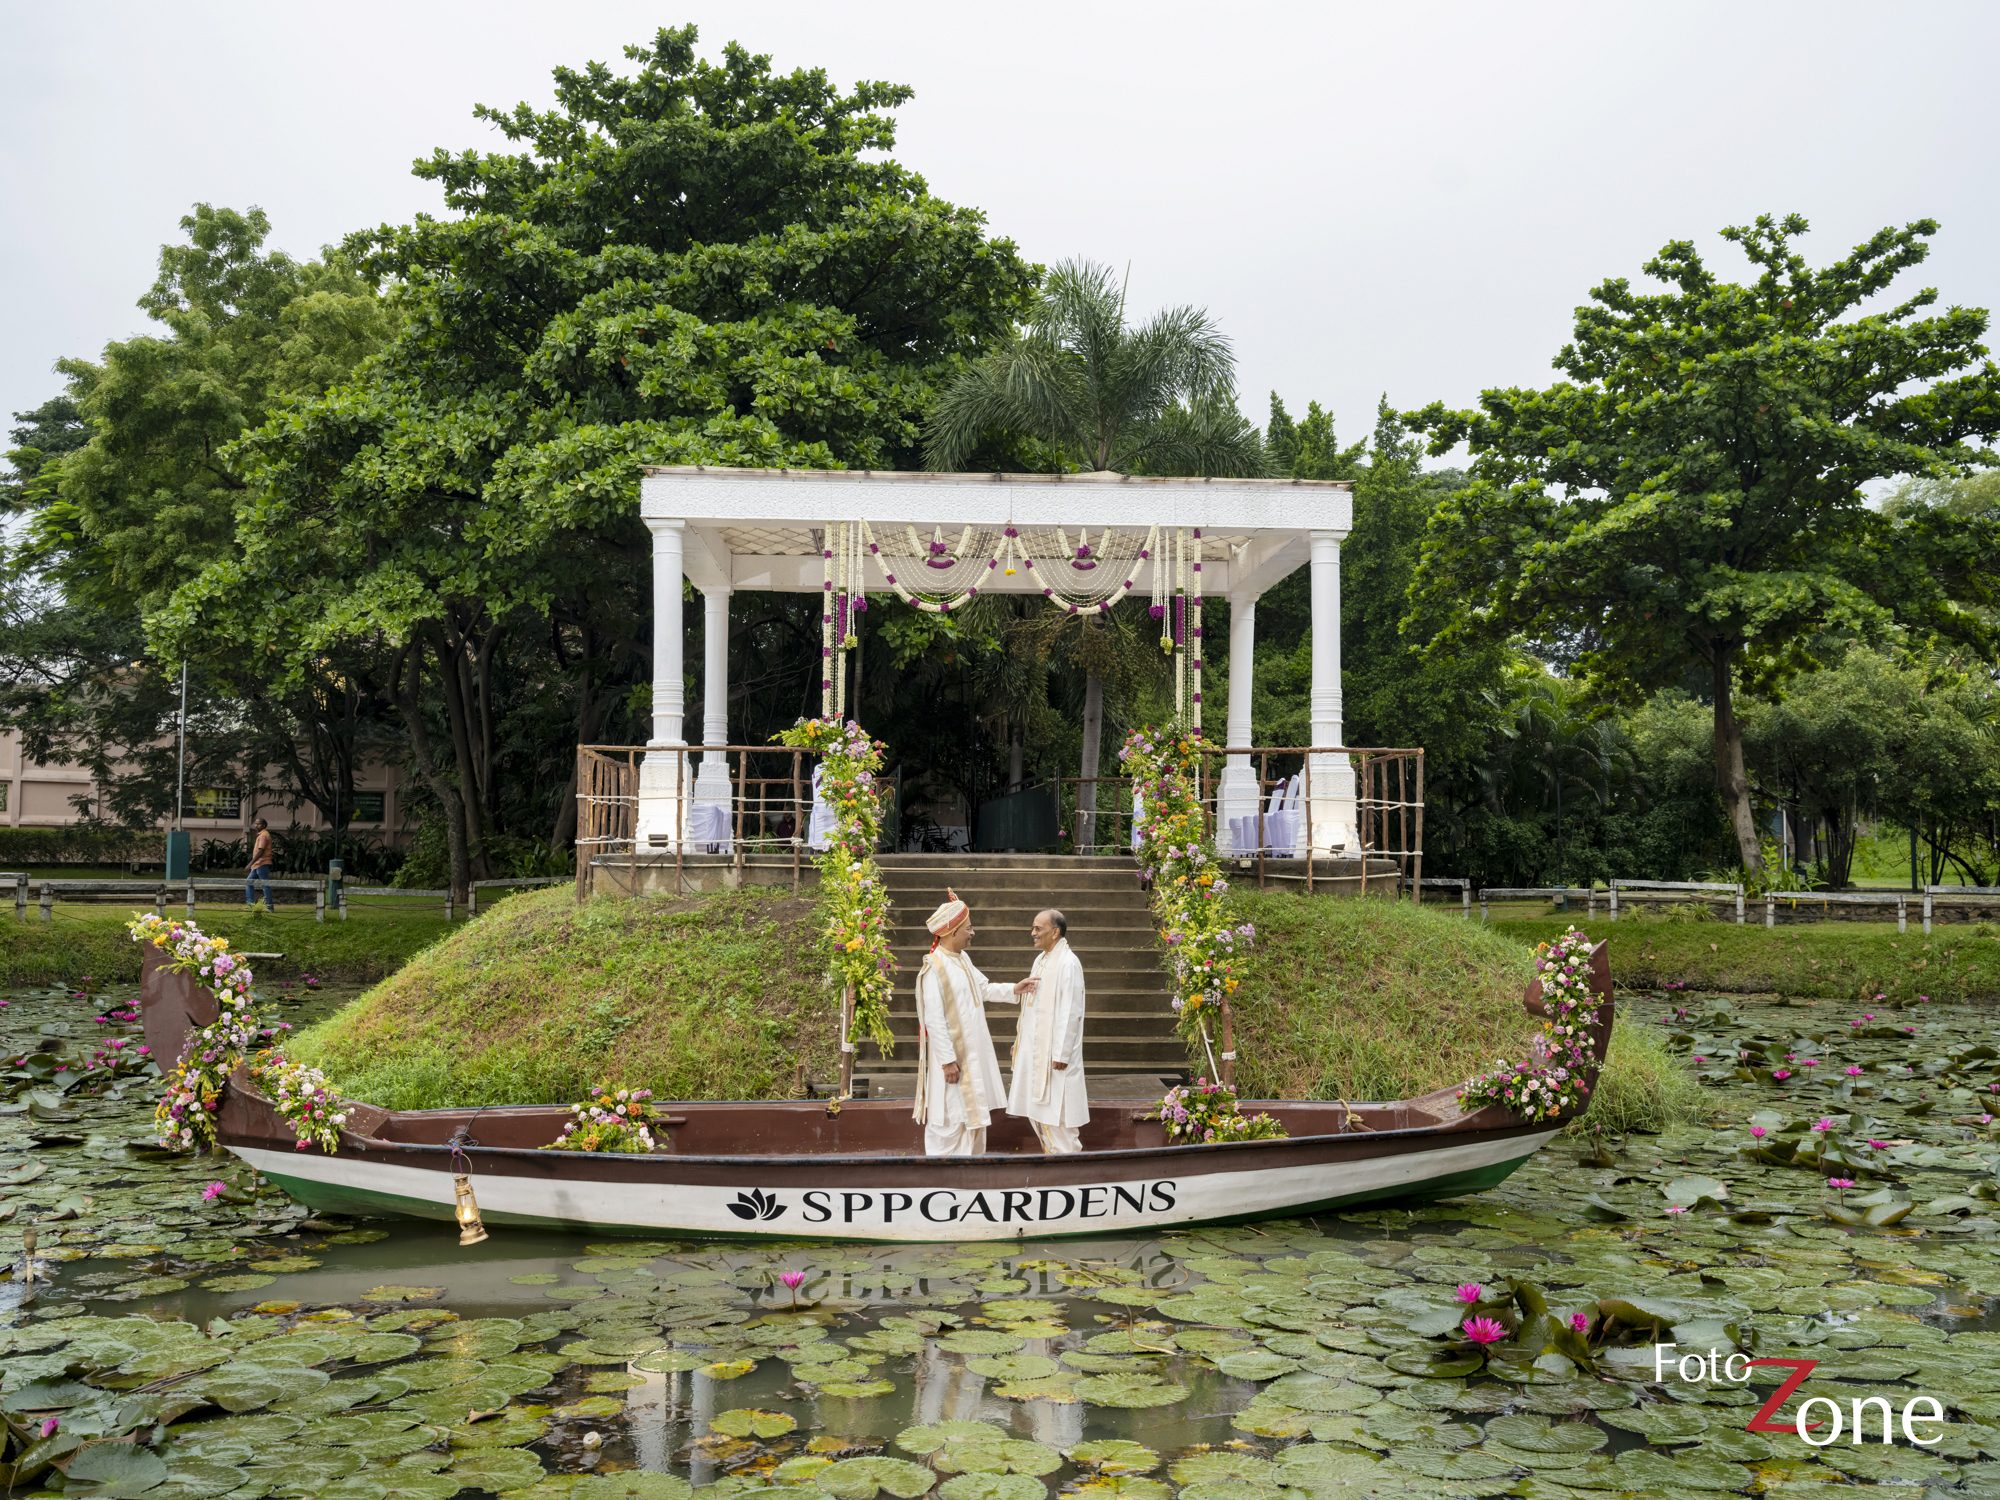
<point>958,1074</point>
<point>1048,1085</point>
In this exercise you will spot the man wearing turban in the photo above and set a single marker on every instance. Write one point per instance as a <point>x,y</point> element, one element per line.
<point>958,1075</point>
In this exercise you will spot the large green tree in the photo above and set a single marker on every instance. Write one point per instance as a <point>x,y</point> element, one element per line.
<point>129,488</point>
<point>1103,394</point>
<point>1690,502</point>
<point>696,262</point>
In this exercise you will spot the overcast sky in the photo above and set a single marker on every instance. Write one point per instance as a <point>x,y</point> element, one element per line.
<point>1374,197</point>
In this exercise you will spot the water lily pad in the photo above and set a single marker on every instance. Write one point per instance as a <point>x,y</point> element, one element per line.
<point>981,1341</point>
<point>1255,1364</point>
<point>113,1470</point>
<point>632,1485</point>
<point>244,1386</point>
<point>1115,1456</point>
<point>993,1487</point>
<point>1013,1366</point>
<point>497,1469</point>
<point>1539,1435</point>
<point>936,1435</point>
<point>863,1478</point>
<point>1210,1465</point>
<point>1119,1487</point>
<point>755,1422</point>
<point>1130,1391</point>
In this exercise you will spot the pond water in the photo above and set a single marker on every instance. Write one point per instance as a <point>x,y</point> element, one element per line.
<point>188,1340</point>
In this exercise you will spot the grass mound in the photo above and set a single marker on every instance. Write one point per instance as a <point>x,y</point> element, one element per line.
<point>1350,999</point>
<point>92,941</point>
<point>718,996</point>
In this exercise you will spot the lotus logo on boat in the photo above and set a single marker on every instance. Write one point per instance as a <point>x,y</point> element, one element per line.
<point>757,1204</point>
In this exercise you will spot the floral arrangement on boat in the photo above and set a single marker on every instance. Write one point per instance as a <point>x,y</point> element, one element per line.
<point>302,1099</point>
<point>1198,924</point>
<point>1203,1113</point>
<point>611,1119</point>
<point>184,1119</point>
<point>1553,1082</point>
<point>854,903</point>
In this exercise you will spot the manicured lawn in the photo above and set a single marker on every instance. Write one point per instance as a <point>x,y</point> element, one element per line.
<point>1826,960</point>
<point>91,940</point>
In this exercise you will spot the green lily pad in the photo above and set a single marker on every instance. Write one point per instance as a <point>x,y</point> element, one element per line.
<point>864,1478</point>
<point>993,1487</point>
<point>746,1422</point>
<point>497,1469</point>
<point>1130,1391</point>
<point>1115,1456</point>
<point>113,1470</point>
<point>1119,1487</point>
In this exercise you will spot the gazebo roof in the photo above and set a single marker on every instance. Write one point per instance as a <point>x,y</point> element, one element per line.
<point>762,528</point>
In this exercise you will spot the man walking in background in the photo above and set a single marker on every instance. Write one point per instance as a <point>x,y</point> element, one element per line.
<point>260,869</point>
<point>1048,1085</point>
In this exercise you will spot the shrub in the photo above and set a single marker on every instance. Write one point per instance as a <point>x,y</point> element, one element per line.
<point>80,844</point>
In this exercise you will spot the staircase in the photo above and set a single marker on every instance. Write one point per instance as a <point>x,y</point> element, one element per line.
<point>1129,1038</point>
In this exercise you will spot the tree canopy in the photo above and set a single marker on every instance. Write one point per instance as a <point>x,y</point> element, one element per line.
<point>1690,503</point>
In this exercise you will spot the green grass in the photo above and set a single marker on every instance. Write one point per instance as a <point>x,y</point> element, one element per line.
<point>1824,960</point>
<point>1644,1086</point>
<point>1348,999</point>
<point>91,940</point>
<point>717,996</point>
<point>1351,999</point>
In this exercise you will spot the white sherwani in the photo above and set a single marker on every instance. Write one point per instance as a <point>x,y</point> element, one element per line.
<point>1057,1100</point>
<point>955,1114</point>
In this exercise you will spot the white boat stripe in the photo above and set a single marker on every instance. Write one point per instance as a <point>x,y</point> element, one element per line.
<point>907,1214</point>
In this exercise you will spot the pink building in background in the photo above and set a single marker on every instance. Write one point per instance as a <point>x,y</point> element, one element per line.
<point>35,795</point>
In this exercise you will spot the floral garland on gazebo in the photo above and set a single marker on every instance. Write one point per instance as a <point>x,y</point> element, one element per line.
<point>854,903</point>
<point>1191,899</point>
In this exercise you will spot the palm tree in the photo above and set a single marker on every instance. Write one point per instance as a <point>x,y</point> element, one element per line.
<point>1155,399</point>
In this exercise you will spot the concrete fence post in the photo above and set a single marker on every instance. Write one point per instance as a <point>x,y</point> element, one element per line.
<point>1770,910</point>
<point>1482,906</point>
<point>1927,913</point>
<point>1739,906</point>
<point>190,898</point>
<point>447,905</point>
<point>48,902</point>
<point>1902,915</point>
<point>1614,901</point>
<point>21,900</point>
<point>1465,901</point>
<point>319,903</point>
<point>472,901</point>
<point>343,903</point>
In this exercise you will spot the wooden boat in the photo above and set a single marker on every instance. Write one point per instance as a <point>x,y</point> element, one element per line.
<point>795,1169</point>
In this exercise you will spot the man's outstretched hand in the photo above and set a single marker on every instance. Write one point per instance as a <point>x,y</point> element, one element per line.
<point>1027,986</point>
<point>951,1072</point>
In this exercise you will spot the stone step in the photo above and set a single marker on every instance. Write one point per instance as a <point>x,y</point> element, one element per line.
<point>1157,1021</point>
<point>1092,881</point>
<point>983,862</point>
<point>1099,1066</point>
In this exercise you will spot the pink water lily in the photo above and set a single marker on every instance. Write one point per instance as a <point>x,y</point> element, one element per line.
<point>1579,1321</point>
<point>1758,1132</point>
<point>1823,1124</point>
<point>213,1191</point>
<point>793,1279</point>
<point>1470,1292</point>
<point>1483,1330</point>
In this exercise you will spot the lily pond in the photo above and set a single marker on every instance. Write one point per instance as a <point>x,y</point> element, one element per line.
<point>187,1334</point>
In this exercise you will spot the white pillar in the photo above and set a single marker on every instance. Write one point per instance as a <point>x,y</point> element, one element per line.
<point>1332,822</point>
<point>659,772</point>
<point>711,783</point>
<point>1236,797</point>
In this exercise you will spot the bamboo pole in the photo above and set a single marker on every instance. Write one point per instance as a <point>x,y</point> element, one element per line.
<point>847,1041</point>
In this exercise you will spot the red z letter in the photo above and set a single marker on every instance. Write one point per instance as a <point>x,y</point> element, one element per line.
<point>1800,1368</point>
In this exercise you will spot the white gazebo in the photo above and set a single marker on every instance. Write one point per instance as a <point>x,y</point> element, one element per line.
<point>1087,541</point>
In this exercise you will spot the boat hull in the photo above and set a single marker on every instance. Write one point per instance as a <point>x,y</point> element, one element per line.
<point>914,1199</point>
<point>804,1169</point>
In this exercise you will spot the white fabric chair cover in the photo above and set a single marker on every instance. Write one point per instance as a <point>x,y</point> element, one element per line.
<point>819,832</point>
<point>708,828</point>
